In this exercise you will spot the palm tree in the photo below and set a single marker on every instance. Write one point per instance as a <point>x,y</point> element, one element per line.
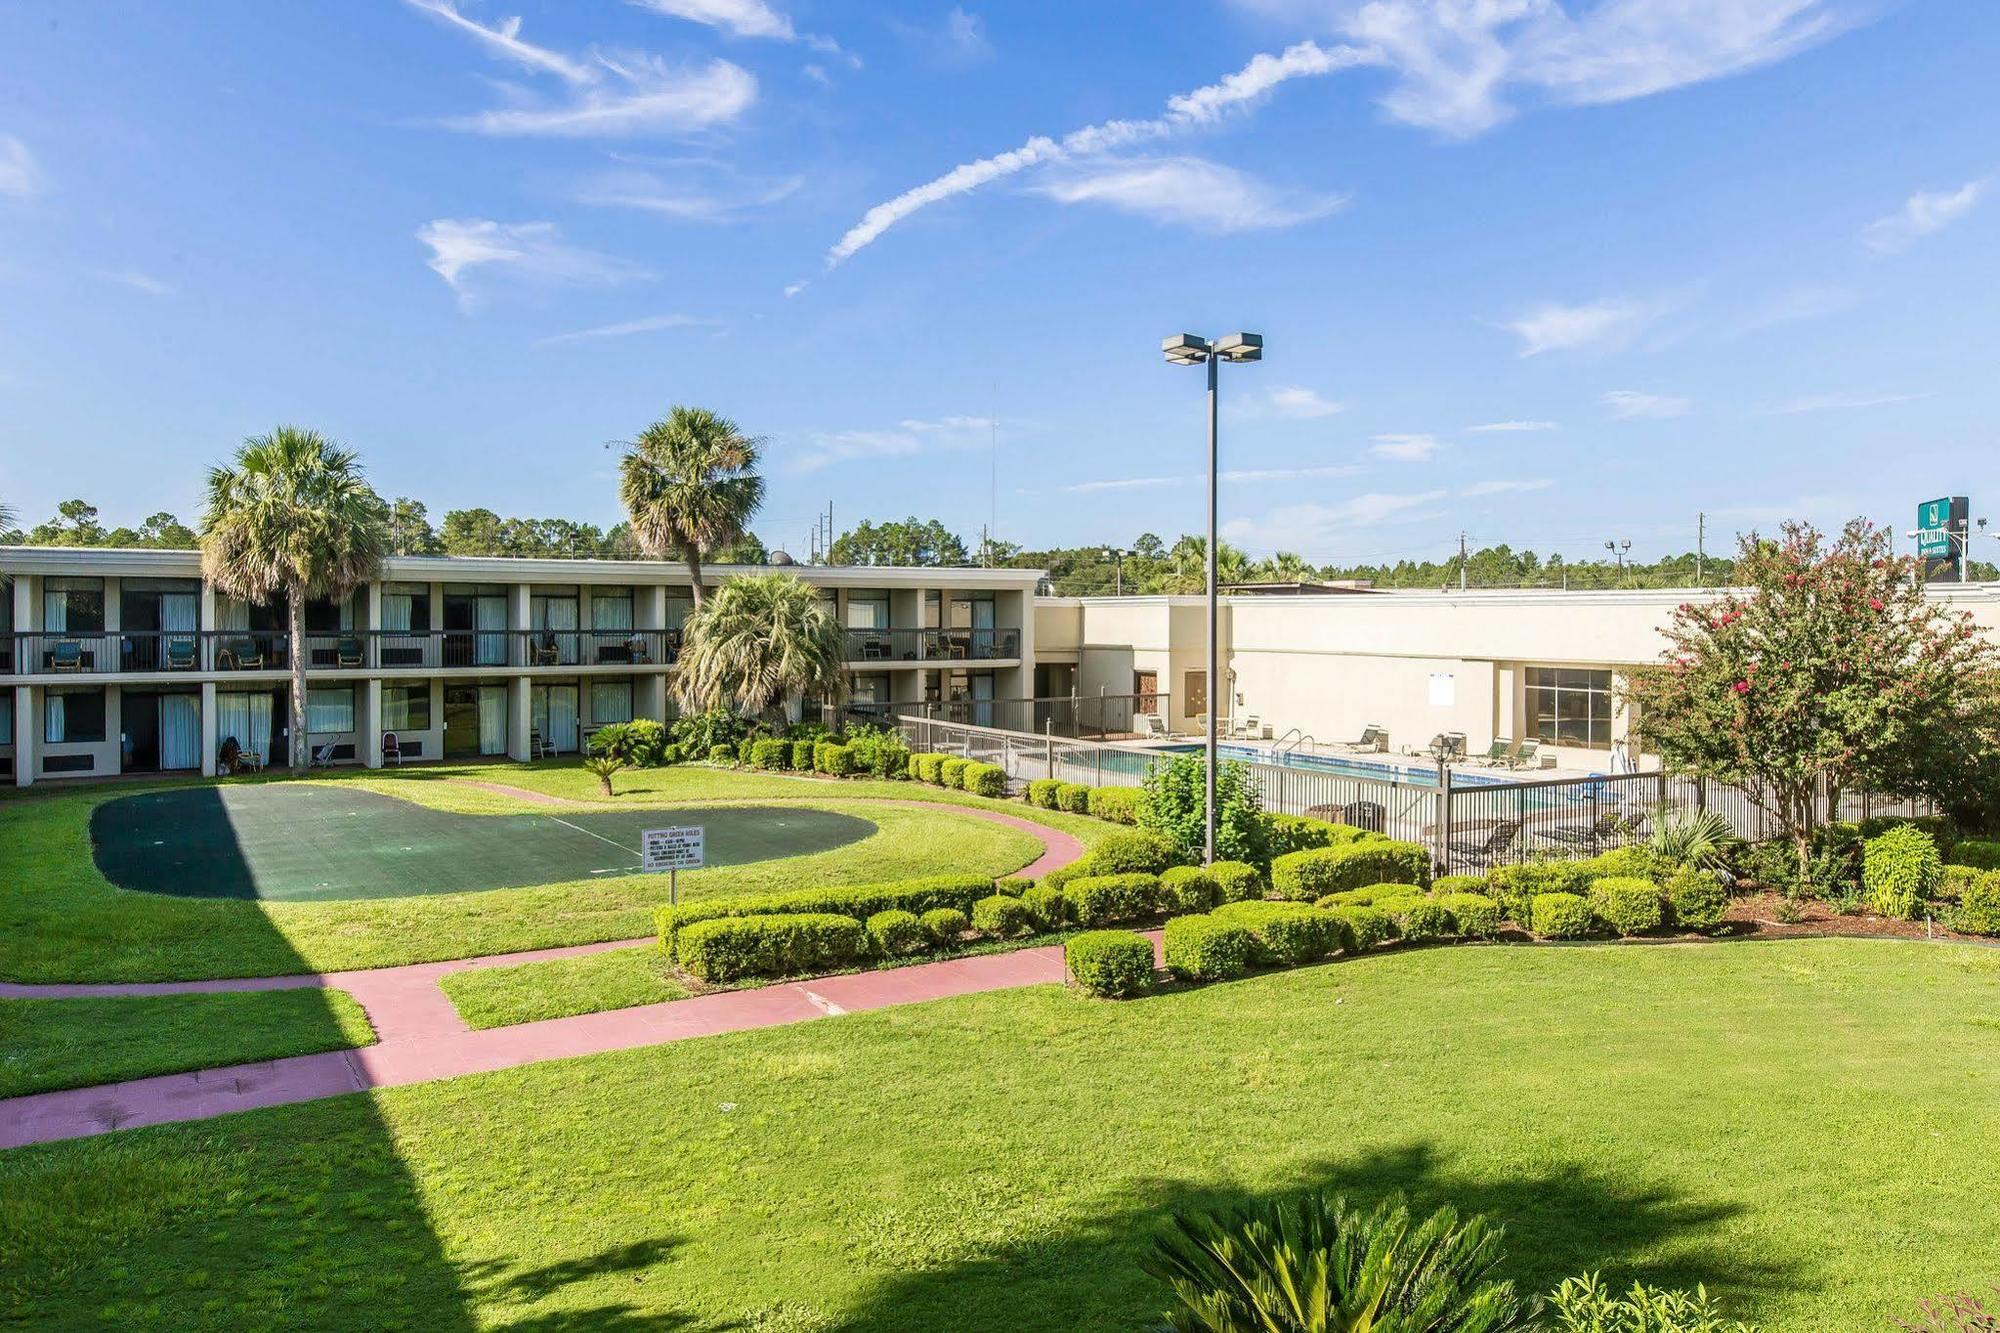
<point>762,639</point>
<point>292,516</point>
<point>689,486</point>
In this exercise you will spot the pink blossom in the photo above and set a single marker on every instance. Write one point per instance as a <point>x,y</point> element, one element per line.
<point>1742,687</point>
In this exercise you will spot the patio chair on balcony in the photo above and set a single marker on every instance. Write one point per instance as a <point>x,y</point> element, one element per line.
<point>180,654</point>
<point>637,652</point>
<point>241,655</point>
<point>347,652</point>
<point>545,651</point>
<point>66,656</point>
<point>1483,852</point>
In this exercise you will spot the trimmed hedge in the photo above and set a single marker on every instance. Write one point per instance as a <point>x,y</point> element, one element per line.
<point>1047,906</point>
<point>1316,872</point>
<point>1900,869</point>
<point>951,771</point>
<point>1979,913</point>
<point>802,756</point>
<point>1097,900</point>
<point>1628,904</point>
<point>859,901</point>
<point>1979,853</point>
<point>1124,852</point>
<point>924,767</point>
<point>1696,899</point>
<point>945,924</point>
<point>769,753</point>
<point>897,934</point>
<point>1073,797</point>
<point>1560,916</point>
<point>1421,918</point>
<point>1459,884</point>
<point>1956,880</point>
<point>1002,916</point>
<point>833,759</point>
<point>1285,932</point>
<point>1119,805</point>
<point>1042,792</point>
<point>1237,880</point>
<point>724,753</point>
<point>1476,916</point>
<point>1189,889</point>
<point>1298,833</point>
<point>1371,896</point>
<point>1205,948</point>
<point>1110,963</point>
<point>726,948</point>
<point>984,779</point>
<point>1363,928</point>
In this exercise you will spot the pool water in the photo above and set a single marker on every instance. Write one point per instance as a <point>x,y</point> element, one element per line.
<point>1340,766</point>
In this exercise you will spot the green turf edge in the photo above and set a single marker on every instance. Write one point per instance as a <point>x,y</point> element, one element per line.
<point>47,1045</point>
<point>493,997</point>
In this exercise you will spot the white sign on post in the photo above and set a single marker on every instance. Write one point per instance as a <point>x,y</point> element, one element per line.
<point>672,850</point>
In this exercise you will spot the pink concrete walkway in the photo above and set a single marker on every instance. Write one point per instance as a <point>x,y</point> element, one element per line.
<point>421,1037</point>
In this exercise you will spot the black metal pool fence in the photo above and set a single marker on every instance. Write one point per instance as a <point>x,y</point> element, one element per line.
<point>1471,821</point>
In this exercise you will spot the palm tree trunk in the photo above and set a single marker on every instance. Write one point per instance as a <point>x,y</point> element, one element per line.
<point>295,614</point>
<point>694,576</point>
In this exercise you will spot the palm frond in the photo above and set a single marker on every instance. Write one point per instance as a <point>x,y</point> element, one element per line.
<point>761,639</point>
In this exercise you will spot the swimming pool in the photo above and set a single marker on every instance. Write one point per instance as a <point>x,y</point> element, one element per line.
<point>1340,766</point>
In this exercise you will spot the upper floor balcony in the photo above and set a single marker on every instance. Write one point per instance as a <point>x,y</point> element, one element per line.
<point>129,652</point>
<point>932,645</point>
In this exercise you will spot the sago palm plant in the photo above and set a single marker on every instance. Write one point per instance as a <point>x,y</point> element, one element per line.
<point>1314,1265</point>
<point>1690,837</point>
<point>761,640</point>
<point>292,517</point>
<point>689,486</point>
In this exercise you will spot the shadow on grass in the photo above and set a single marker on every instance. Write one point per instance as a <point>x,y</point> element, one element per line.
<point>1560,1221</point>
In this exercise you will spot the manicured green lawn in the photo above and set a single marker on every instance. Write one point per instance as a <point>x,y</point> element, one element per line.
<point>492,997</point>
<point>1806,1126</point>
<point>61,920</point>
<point>50,1044</point>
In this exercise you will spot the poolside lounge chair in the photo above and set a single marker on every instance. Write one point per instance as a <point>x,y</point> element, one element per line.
<point>1498,755</point>
<point>1529,755</point>
<point>1374,740</point>
<point>180,654</point>
<point>322,757</point>
<point>1593,837</point>
<point>347,651</point>
<point>1153,728</point>
<point>1485,851</point>
<point>1249,727</point>
<point>66,656</point>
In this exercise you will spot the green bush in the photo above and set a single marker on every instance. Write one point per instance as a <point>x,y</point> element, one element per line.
<point>984,780</point>
<point>1297,833</point>
<point>1901,869</point>
<point>1073,797</point>
<point>1476,915</point>
<point>698,733</point>
<point>833,759</point>
<point>1696,899</point>
<point>1174,805</point>
<point>951,771</point>
<point>879,752</point>
<point>946,925</point>
<point>896,933</point>
<point>1098,900</point>
<point>860,901</point>
<point>1048,907</point>
<point>1421,918</point>
<point>670,754</point>
<point>1585,1305</point>
<point>1979,853</point>
<point>801,760</point>
<point>1203,948</point>
<point>1132,851</point>
<point>1110,962</point>
<point>1629,905</point>
<point>1189,889</point>
<point>1374,895</point>
<point>722,754</point>
<point>1459,884</point>
<point>924,767</point>
<point>1001,916</point>
<point>769,753</point>
<point>1316,872</point>
<point>641,743</point>
<point>726,948</point>
<point>1119,805</point>
<point>1285,933</point>
<point>1236,881</point>
<point>1363,928</point>
<point>1560,916</point>
<point>1979,912</point>
<point>1042,792</point>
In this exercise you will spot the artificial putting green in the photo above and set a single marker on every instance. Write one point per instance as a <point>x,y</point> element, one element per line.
<point>300,842</point>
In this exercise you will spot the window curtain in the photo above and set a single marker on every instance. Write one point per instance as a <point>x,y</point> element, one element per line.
<point>678,610</point>
<point>329,711</point>
<point>610,701</point>
<point>6,717</point>
<point>613,613</point>
<point>247,717</point>
<point>490,619</point>
<point>561,730</point>
<point>179,612</point>
<point>180,731</point>
<point>559,615</point>
<point>492,719</point>
<point>396,611</point>
<point>55,610</point>
<point>53,727</point>
<point>982,700</point>
<point>231,614</point>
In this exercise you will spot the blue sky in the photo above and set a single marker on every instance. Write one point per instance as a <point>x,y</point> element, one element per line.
<point>1725,255</point>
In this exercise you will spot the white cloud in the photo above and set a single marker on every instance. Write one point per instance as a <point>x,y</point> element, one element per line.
<point>503,41</point>
<point>1187,191</point>
<point>530,253</point>
<point>960,40</point>
<point>137,281</point>
<point>1185,111</point>
<point>1234,476</point>
<point>1795,304</point>
<point>1484,488</point>
<point>1248,475</point>
<point>1510,427</point>
<point>625,329</point>
<point>1295,402</point>
<point>697,192</point>
<point>1552,327</point>
<point>912,436</point>
<point>739,18</point>
<point>1404,448</point>
<point>19,174</point>
<point>794,288</point>
<point>1319,527</point>
<point>1841,402</point>
<point>1122,484</point>
<point>1632,405</point>
<point>1922,213</point>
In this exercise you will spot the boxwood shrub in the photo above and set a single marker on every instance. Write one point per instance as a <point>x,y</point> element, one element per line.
<point>1047,907</point>
<point>1979,912</point>
<point>1120,805</point>
<point>923,767</point>
<point>833,759</point>
<point>768,753</point>
<point>1369,896</point>
<point>1206,948</point>
<point>1110,962</point>
<point>1298,833</point>
<point>946,925</point>
<point>1132,851</point>
<point>1560,916</point>
<point>1628,904</point>
<point>1476,916</point>
<point>1097,900</point>
<point>726,948</point>
<point>1285,932</point>
<point>1980,853</point>
<point>1901,869</point>
<point>1237,880</point>
<point>859,901</point>
<point>1444,884</point>
<point>984,779</point>
<point>1042,792</point>
<point>1313,873</point>
<point>1002,916</point>
<point>1188,889</point>
<point>1955,880</point>
<point>725,753</point>
<point>897,934</point>
<point>1696,899</point>
<point>1073,797</point>
<point>1363,928</point>
<point>1420,918</point>
<point>951,771</point>
<point>802,756</point>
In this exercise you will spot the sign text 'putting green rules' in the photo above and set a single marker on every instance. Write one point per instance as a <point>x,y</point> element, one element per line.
<point>672,850</point>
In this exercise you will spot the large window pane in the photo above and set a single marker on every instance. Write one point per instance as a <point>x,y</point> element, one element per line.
<point>1570,705</point>
<point>330,709</point>
<point>73,716</point>
<point>406,707</point>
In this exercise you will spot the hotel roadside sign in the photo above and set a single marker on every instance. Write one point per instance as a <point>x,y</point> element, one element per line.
<point>1941,527</point>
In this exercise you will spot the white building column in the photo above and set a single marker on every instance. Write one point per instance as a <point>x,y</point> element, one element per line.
<point>26,734</point>
<point>368,704</point>
<point>520,718</point>
<point>209,739</point>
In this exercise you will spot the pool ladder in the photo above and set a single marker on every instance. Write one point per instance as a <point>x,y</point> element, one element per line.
<point>1297,740</point>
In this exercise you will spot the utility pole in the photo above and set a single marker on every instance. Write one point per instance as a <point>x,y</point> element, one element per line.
<point>1700,549</point>
<point>1461,562</point>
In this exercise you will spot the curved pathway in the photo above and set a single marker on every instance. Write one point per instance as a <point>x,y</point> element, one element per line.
<point>421,1037</point>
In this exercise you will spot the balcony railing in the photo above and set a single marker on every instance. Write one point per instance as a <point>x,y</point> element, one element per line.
<point>60,653</point>
<point>932,645</point>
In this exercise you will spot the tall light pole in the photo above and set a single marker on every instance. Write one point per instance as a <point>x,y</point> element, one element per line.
<point>1117,553</point>
<point>1185,349</point>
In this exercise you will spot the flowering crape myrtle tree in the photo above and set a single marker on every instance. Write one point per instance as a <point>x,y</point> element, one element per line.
<point>1826,670</point>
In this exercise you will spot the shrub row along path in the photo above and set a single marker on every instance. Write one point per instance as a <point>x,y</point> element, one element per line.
<point>421,1037</point>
